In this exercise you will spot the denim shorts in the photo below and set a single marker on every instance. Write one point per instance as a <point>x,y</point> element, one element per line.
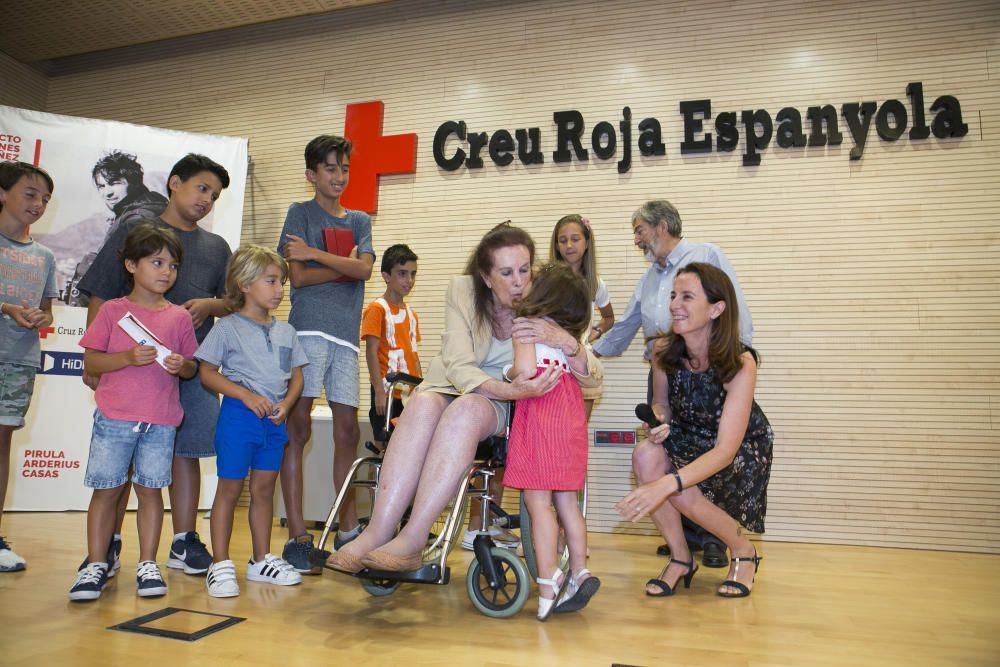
<point>333,368</point>
<point>201,411</point>
<point>114,445</point>
<point>244,441</point>
<point>17,381</point>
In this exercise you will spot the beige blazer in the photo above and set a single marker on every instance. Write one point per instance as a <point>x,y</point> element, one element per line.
<point>464,345</point>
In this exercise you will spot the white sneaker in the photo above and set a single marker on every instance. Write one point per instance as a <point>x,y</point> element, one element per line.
<point>503,538</point>
<point>273,570</point>
<point>221,580</point>
<point>9,561</point>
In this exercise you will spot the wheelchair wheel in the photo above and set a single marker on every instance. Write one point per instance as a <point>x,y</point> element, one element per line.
<point>515,585</point>
<point>379,587</point>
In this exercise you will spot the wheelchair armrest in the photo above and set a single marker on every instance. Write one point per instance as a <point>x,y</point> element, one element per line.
<point>394,377</point>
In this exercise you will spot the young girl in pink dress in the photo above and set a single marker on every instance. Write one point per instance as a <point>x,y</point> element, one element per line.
<point>547,448</point>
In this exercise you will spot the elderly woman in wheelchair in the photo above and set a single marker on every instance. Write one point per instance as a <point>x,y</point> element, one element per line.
<point>463,400</point>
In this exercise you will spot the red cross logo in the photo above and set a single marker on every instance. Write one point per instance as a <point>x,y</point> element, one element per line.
<point>45,331</point>
<point>373,155</point>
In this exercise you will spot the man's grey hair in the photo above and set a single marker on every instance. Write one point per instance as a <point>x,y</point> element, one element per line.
<point>659,210</point>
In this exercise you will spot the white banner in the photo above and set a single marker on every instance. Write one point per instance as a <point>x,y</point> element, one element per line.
<point>103,171</point>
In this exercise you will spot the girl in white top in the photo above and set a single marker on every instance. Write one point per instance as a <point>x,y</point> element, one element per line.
<point>573,242</point>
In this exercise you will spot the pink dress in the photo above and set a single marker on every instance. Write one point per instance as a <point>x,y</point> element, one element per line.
<point>548,441</point>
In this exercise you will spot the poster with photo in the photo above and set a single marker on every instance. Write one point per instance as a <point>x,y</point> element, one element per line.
<point>105,173</point>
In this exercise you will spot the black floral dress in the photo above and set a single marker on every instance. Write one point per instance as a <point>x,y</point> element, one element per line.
<point>740,489</point>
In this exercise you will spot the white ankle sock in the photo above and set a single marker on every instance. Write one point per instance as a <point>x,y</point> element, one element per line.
<point>353,532</point>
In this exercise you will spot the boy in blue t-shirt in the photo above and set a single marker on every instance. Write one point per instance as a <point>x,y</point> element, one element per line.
<point>27,287</point>
<point>327,295</point>
<point>194,185</point>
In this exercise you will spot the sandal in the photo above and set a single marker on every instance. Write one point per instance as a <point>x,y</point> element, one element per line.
<point>741,587</point>
<point>578,593</point>
<point>665,588</point>
<point>545,605</point>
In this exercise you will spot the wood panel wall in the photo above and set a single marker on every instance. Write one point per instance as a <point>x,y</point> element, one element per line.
<point>21,86</point>
<point>873,283</point>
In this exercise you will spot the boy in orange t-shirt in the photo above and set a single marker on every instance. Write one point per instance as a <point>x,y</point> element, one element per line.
<point>391,332</point>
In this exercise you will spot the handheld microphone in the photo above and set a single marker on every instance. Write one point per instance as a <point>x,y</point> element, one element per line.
<point>645,414</point>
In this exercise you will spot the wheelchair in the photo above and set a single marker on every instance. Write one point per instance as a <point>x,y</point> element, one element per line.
<point>498,581</point>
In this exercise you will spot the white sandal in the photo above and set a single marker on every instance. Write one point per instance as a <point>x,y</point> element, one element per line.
<point>558,582</point>
<point>578,592</point>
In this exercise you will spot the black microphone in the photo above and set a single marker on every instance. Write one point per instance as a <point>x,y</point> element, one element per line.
<point>645,413</point>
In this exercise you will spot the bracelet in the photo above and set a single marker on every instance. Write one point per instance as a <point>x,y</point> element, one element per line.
<point>680,482</point>
<point>577,350</point>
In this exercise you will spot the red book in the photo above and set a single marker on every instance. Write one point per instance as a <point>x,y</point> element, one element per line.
<point>339,242</point>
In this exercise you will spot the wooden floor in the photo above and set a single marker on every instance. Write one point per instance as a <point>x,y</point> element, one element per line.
<point>813,605</point>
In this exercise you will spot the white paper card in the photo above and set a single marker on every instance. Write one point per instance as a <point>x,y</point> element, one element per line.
<point>138,332</point>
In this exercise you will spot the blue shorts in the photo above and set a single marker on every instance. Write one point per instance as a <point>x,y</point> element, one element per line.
<point>114,445</point>
<point>244,441</point>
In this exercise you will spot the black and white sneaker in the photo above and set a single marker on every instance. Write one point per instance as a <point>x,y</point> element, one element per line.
<point>346,537</point>
<point>298,553</point>
<point>189,554</point>
<point>221,580</point>
<point>273,570</point>
<point>114,558</point>
<point>9,561</point>
<point>90,581</point>
<point>149,582</point>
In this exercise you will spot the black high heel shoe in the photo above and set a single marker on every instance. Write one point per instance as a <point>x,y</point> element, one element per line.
<point>743,590</point>
<point>665,589</point>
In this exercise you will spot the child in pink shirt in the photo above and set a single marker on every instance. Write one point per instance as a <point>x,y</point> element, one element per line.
<point>138,406</point>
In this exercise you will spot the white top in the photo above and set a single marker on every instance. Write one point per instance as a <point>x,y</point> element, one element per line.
<point>601,298</point>
<point>550,356</point>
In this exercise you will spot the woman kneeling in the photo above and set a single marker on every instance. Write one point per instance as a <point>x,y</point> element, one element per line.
<point>710,460</point>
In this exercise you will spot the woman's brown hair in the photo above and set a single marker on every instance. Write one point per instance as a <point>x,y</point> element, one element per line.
<point>480,264</point>
<point>724,347</point>
<point>560,295</point>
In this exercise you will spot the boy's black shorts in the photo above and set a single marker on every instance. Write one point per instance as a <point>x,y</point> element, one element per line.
<point>378,421</point>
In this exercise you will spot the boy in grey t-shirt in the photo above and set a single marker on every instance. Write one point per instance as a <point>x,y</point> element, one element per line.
<point>326,312</point>
<point>255,362</point>
<point>27,287</point>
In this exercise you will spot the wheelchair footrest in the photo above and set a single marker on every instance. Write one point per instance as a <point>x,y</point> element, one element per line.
<point>429,573</point>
